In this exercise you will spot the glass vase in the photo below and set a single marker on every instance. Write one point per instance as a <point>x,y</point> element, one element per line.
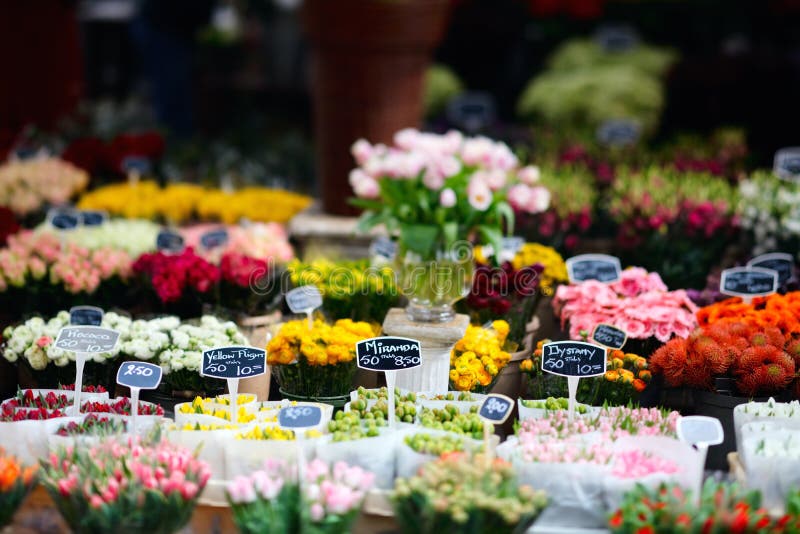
<point>433,285</point>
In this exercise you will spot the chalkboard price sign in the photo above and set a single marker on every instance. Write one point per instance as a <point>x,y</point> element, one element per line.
<point>87,339</point>
<point>85,315</point>
<point>136,164</point>
<point>388,353</point>
<point>93,217</point>
<point>609,336</point>
<point>573,358</point>
<point>779,262</point>
<point>214,238</point>
<point>748,282</point>
<point>234,362</point>
<point>600,267</point>
<point>496,408</point>
<point>304,299</point>
<point>140,375</point>
<point>169,241</point>
<point>616,38</point>
<point>618,132</point>
<point>302,416</point>
<point>787,164</point>
<point>63,219</point>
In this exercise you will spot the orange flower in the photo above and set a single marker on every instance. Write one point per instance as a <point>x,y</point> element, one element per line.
<point>639,385</point>
<point>11,472</point>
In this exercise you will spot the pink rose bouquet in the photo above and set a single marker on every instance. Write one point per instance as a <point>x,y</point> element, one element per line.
<point>263,241</point>
<point>125,487</point>
<point>26,186</point>
<point>639,303</point>
<point>39,273</point>
<point>270,501</point>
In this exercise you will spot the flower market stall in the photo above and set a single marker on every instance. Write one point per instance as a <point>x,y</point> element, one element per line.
<point>523,348</point>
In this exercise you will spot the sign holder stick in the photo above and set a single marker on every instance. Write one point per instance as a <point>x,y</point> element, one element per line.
<point>134,408</point>
<point>233,392</point>
<point>391,380</point>
<point>310,316</point>
<point>488,450</point>
<point>572,387</point>
<point>80,361</point>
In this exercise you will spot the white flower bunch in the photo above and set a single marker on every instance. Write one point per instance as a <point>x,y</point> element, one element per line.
<point>785,446</point>
<point>189,341</point>
<point>134,236</point>
<point>771,408</point>
<point>34,340</point>
<point>770,208</point>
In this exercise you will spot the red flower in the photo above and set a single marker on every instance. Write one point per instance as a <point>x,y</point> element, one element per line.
<point>172,275</point>
<point>616,519</point>
<point>646,530</point>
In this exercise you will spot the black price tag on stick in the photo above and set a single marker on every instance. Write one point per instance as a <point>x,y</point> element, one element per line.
<point>93,217</point>
<point>383,247</point>
<point>303,416</point>
<point>87,339</point>
<point>169,241</point>
<point>618,132</point>
<point>616,38</point>
<point>609,336</point>
<point>140,375</point>
<point>779,262</point>
<point>234,362</point>
<point>388,353</point>
<point>63,219</point>
<point>600,267</point>
<point>573,359</point>
<point>747,282</point>
<point>85,316</point>
<point>304,299</point>
<point>496,408</point>
<point>787,164</point>
<point>214,238</point>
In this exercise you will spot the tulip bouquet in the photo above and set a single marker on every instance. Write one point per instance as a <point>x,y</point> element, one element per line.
<point>92,425</point>
<point>433,192</point>
<point>477,359</point>
<point>682,233</point>
<point>29,185</point>
<point>350,289</point>
<point>637,303</point>
<point>32,344</point>
<point>125,487</point>
<point>271,501</point>
<point>671,509</point>
<point>41,274</point>
<point>319,362</point>
<point>16,481</point>
<point>463,494</point>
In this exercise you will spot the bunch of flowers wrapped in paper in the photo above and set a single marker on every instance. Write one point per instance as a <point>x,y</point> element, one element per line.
<point>16,480</point>
<point>591,461</point>
<point>318,361</point>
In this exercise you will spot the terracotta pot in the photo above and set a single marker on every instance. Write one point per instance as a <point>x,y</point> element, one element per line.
<point>368,64</point>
